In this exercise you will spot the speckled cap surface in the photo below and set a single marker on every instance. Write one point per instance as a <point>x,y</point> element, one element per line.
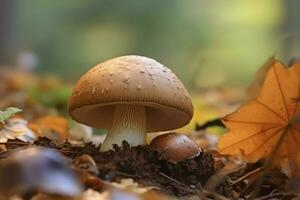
<point>132,80</point>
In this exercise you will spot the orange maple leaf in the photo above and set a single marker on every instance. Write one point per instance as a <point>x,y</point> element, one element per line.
<point>270,123</point>
<point>52,127</point>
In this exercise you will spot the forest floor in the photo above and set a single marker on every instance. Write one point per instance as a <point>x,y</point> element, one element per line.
<point>124,172</point>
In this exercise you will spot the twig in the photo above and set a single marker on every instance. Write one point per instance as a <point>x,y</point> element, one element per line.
<point>215,195</point>
<point>125,174</point>
<point>214,122</point>
<point>270,196</point>
<point>67,151</point>
<point>246,176</point>
<point>172,179</point>
<point>218,177</point>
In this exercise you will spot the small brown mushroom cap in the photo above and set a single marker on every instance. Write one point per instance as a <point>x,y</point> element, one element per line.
<point>175,147</point>
<point>131,80</point>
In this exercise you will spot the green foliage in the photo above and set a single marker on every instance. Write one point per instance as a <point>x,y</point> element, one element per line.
<point>51,98</point>
<point>8,113</point>
<point>197,39</point>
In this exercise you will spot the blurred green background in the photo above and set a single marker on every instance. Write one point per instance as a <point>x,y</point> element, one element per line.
<point>207,43</point>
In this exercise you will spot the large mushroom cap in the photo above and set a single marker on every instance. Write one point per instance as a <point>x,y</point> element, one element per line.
<point>131,80</point>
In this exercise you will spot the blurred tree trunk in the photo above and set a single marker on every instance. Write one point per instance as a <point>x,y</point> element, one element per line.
<point>6,25</point>
<point>291,30</point>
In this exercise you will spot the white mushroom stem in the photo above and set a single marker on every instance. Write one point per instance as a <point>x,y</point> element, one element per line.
<point>129,124</point>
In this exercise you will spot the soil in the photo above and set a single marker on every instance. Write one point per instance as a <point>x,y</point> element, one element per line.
<point>140,163</point>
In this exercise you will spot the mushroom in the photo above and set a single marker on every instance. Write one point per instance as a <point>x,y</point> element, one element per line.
<point>129,96</point>
<point>175,147</point>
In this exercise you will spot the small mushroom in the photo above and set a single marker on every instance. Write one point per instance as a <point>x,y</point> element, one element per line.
<point>129,96</point>
<point>175,147</point>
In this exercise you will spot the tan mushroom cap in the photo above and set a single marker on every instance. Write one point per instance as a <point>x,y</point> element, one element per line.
<point>131,80</point>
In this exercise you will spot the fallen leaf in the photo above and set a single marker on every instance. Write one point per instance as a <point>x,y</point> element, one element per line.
<point>270,123</point>
<point>116,193</point>
<point>52,127</point>
<point>94,195</point>
<point>16,128</point>
<point>8,113</point>
<point>86,163</point>
<point>132,186</point>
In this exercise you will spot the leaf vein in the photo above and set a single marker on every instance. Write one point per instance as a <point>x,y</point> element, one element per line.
<point>265,141</point>
<point>281,91</point>
<point>270,109</point>
<point>252,135</point>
